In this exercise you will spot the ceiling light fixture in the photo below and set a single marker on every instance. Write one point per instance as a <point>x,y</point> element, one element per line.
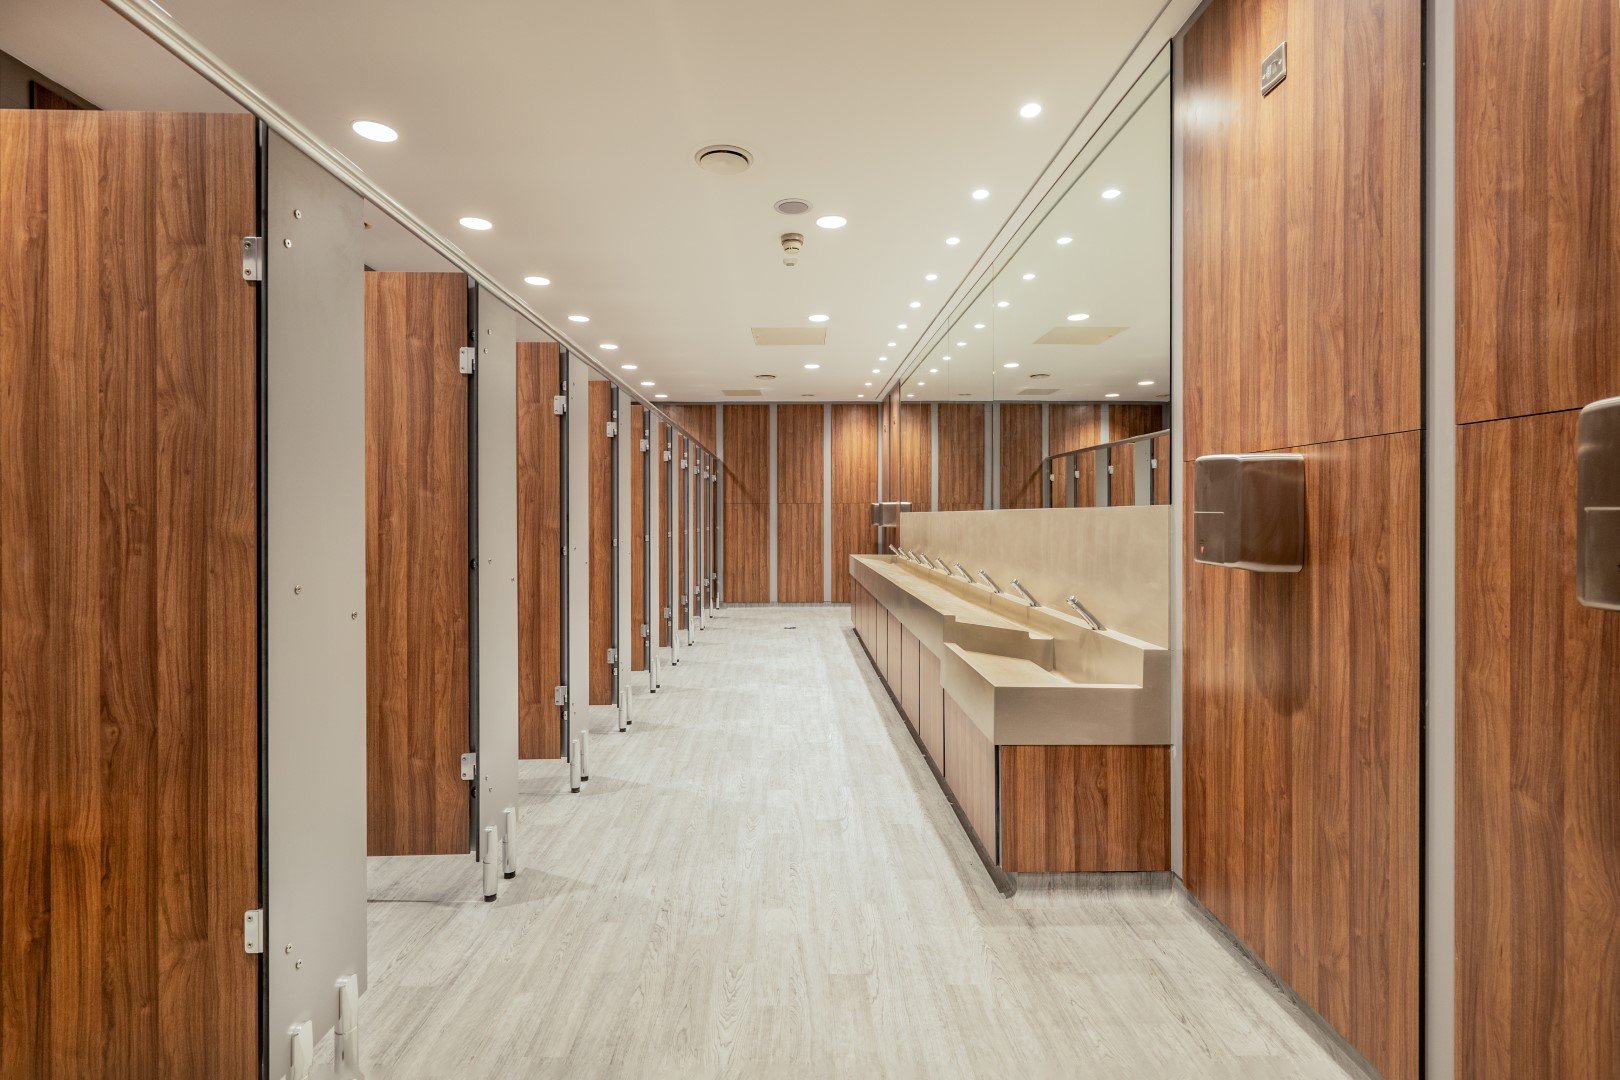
<point>1079,316</point>
<point>883,359</point>
<point>915,304</point>
<point>946,359</point>
<point>981,194</point>
<point>660,397</point>
<point>877,371</point>
<point>1003,303</point>
<point>930,277</point>
<point>1145,382</point>
<point>609,346</point>
<point>371,129</point>
<point>867,383</point>
<point>648,382</point>
<point>893,345</point>
<point>832,221</point>
<point>476,224</point>
<point>978,326</point>
<point>952,241</point>
<point>537,280</point>
<point>627,367</point>
<point>1030,110</point>
<point>1065,240</point>
<point>911,395</point>
<point>933,371</point>
<point>1010,364</point>
<point>900,326</point>
<point>812,367</point>
<point>961,344</point>
<point>1029,277</point>
<point>1110,395</point>
<point>818,318</point>
<point>579,318</point>
<point>1111,193</point>
<point>921,383</point>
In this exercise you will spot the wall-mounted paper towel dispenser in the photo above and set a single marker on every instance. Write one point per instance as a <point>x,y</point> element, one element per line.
<point>1249,511</point>
<point>1597,520</point>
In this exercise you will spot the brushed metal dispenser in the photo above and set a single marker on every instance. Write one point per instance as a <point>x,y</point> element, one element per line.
<point>1597,515</point>
<point>1249,511</point>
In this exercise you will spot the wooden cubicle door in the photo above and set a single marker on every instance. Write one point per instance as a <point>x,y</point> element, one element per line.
<point>636,527</point>
<point>602,493</point>
<point>129,506</point>
<point>417,608</point>
<point>540,594</point>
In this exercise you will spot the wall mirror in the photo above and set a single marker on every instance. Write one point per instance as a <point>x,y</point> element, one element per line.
<point>1051,384</point>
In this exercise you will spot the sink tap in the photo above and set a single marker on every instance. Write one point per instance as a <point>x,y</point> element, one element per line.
<point>894,550</point>
<point>1085,616</point>
<point>941,567</point>
<point>1020,587</point>
<point>989,582</point>
<point>964,571</point>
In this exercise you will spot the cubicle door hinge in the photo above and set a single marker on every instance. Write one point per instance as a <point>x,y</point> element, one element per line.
<point>613,429</point>
<point>253,931</point>
<point>646,445</point>
<point>666,612</point>
<point>469,766</point>
<point>468,359</point>
<point>559,695</point>
<point>252,258</point>
<point>667,455</point>
<point>612,657</point>
<point>683,463</point>
<point>559,404</point>
<point>1110,470</point>
<point>646,631</point>
<point>1153,463</point>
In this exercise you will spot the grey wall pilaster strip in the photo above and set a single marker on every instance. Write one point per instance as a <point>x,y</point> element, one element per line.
<point>933,456</point>
<point>770,532</point>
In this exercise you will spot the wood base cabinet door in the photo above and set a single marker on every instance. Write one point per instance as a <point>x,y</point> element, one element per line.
<point>129,509</point>
<point>418,719</point>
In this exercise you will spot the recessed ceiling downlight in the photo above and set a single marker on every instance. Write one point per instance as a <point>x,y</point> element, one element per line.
<point>1110,395</point>
<point>832,221</point>
<point>792,206</point>
<point>537,280</point>
<point>1111,193</point>
<point>723,159</point>
<point>812,367</point>
<point>609,346</point>
<point>981,194</point>
<point>818,318</point>
<point>660,397</point>
<point>579,318</point>
<point>371,129</point>
<point>1079,316</point>
<point>476,224</point>
<point>1030,110</point>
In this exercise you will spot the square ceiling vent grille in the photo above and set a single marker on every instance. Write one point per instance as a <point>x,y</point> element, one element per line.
<point>1038,391</point>
<point>743,393</point>
<point>790,335</point>
<point>1078,335</point>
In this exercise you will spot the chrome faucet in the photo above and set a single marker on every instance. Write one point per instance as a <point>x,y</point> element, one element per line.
<point>989,582</point>
<point>1085,616</point>
<point>942,568</point>
<point>965,574</point>
<point>1020,587</point>
<point>894,550</point>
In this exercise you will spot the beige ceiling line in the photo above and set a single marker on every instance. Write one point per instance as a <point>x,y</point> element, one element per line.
<point>156,24</point>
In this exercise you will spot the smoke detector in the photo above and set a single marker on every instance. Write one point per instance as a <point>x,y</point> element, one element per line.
<point>793,206</point>
<point>723,159</point>
<point>792,244</point>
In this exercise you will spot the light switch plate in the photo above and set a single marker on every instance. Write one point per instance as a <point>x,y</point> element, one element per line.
<point>1273,69</point>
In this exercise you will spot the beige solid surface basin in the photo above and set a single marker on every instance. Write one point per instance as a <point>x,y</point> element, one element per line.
<point>1026,675</point>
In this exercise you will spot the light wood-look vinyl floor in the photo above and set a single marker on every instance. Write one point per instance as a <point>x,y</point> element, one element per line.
<point>763,879</point>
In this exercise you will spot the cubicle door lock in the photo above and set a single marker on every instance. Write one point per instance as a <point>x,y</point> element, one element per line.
<point>1597,512</point>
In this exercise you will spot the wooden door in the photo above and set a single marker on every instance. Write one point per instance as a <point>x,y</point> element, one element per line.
<point>129,507</point>
<point>602,498</point>
<point>540,601</point>
<point>636,527</point>
<point>417,619</point>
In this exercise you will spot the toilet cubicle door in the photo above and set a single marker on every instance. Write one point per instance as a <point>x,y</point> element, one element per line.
<point>129,596</point>
<point>542,555</point>
<point>418,655</point>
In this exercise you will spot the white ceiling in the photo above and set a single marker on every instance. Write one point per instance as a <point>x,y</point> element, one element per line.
<point>572,127</point>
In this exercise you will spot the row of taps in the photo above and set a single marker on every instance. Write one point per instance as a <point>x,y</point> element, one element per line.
<point>938,565</point>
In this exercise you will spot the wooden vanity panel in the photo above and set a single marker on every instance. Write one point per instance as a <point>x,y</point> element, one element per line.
<point>895,649</point>
<point>970,770</point>
<point>909,660</point>
<point>1085,808</point>
<point>930,707</point>
<point>885,624</point>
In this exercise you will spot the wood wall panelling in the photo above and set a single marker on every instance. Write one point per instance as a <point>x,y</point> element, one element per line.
<point>931,707</point>
<point>1302,732</point>
<point>1302,224</point>
<point>601,541</point>
<point>128,639</point>
<point>1085,808</point>
<point>540,613</point>
<point>1020,460</point>
<point>1538,206</point>
<point>1122,475</point>
<point>917,456</point>
<point>698,420</point>
<point>970,770</point>
<point>961,456</point>
<point>747,494</point>
<point>800,488</point>
<point>894,442</point>
<point>1538,745</point>
<point>1073,426</point>
<point>1162,468</point>
<point>1134,418</point>
<point>854,489</point>
<point>417,633</point>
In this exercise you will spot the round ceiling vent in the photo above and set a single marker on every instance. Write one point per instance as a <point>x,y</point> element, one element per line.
<point>793,206</point>
<point>724,159</point>
<point>1041,375</point>
<point>766,377</point>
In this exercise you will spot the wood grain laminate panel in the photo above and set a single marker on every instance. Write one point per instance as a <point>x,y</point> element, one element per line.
<point>894,444</point>
<point>1135,418</point>
<point>1538,744</point>
<point>961,456</point>
<point>909,686</point>
<point>636,530</point>
<point>1302,224</point>
<point>601,541</point>
<point>917,456</point>
<point>1162,469</point>
<point>1020,460</point>
<point>1085,808</point>
<point>748,496</point>
<point>895,656</point>
<point>854,489</point>
<point>665,539</point>
<point>1538,206</point>
<point>129,722</point>
<point>970,771</point>
<point>1122,476</point>
<point>698,420</point>
<point>540,611</point>
<point>1302,732</point>
<point>800,511</point>
<point>930,707</point>
<point>1073,426</point>
<point>416,565</point>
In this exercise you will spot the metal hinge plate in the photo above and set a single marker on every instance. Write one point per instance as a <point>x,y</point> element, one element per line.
<point>559,695</point>
<point>666,455</point>
<point>612,430</point>
<point>253,931</point>
<point>467,359</point>
<point>646,445</point>
<point>469,766</point>
<point>612,657</point>
<point>559,404</point>
<point>646,631</point>
<point>252,258</point>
